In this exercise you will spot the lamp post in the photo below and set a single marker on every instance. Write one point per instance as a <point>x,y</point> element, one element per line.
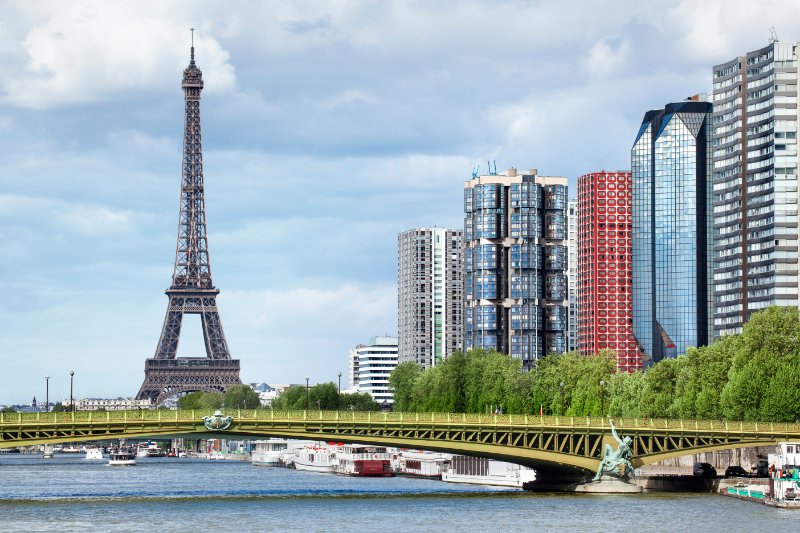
<point>561,391</point>
<point>602,397</point>
<point>47,393</point>
<point>306,394</point>
<point>71,403</point>
<point>339,393</point>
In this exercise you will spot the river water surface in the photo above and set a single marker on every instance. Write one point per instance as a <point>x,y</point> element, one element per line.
<point>69,493</point>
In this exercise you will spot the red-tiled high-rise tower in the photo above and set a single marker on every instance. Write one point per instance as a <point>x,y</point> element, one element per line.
<point>605,310</point>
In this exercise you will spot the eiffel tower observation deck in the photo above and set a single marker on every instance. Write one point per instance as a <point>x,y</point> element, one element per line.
<point>192,290</point>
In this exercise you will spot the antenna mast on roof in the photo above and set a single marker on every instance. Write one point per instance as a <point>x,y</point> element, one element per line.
<point>773,35</point>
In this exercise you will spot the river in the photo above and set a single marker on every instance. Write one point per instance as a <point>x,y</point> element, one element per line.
<point>69,493</point>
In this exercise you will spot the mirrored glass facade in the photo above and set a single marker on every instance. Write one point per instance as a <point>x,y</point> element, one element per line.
<point>515,260</point>
<point>672,231</point>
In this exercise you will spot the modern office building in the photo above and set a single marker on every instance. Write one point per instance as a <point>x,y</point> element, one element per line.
<point>515,263</point>
<point>605,241</point>
<point>755,184</point>
<point>672,230</point>
<point>369,367</point>
<point>572,275</point>
<point>430,289</point>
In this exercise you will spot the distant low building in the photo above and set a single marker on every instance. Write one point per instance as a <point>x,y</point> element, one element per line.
<point>114,404</point>
<point>266,393</point>
<point>370,365</point>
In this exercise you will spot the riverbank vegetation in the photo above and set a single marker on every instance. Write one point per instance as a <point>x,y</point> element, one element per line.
<point>754,375</point>
<point>324,396</point>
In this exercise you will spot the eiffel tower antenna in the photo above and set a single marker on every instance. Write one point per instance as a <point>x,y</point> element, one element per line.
<point>192,290</point>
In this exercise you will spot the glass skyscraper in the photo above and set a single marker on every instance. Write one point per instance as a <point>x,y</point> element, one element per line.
<point>755,184</point>
<point>672,230</point>
<point>515,262</point>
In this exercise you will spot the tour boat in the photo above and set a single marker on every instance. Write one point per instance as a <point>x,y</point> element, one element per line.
<point>417,463</point>
<point>94,454</point>
<point>70,449</point>
<point>482,471</point>
<point>122,457</point>
<point>360,460</point>
<point>315,459</point>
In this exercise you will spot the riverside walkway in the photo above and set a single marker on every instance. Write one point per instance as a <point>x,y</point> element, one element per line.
<point>550,444</point>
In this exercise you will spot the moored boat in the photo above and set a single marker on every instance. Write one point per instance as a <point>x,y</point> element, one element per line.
<point>315,459</point>
<point>784,481</point>
<point>268,452</point>
<point>418,463</point>
<point>361,460</point>
<point>482,471</point>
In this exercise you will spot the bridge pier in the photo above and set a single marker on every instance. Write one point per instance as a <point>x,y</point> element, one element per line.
<point>583,484</point>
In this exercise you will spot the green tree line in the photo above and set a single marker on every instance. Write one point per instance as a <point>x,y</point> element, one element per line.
<point>754,375</point>
<point>323,396</point>
<point>236,397</point>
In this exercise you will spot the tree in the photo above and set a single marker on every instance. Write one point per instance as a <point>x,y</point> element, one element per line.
<point>324,396</point>
<point>763,380</point>
<point>59,408</point>
<point>403,380</point>
<point>359,401</point>
<point>292,398</point>
<point>200,400</point>
<point>8,410</point>
<point>241,397</point>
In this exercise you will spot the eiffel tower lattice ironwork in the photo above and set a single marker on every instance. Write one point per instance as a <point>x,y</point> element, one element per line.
<point>192,290</point>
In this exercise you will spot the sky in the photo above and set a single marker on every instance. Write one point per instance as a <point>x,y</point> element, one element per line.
<point>328,128</point>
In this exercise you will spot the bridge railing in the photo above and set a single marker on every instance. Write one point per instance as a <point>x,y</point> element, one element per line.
<point>474,419</point>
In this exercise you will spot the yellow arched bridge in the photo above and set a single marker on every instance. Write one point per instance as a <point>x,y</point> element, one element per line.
<point>549,444</point>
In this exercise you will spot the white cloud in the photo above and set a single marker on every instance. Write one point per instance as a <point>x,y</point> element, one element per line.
<point>131,139</point>
<point>715,31</point>
<point>58,215</point>
<point>606,56</point>
<point>80,52</point>
<point>283,333</point>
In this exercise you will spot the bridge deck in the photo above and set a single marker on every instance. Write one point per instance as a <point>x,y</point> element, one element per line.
<point>544,442</point>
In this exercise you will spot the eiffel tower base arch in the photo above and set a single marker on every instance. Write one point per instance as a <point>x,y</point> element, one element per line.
<point>167,377</point>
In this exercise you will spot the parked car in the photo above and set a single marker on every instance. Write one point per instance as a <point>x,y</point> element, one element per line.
<point>736,471</point>
<point>704,470</point>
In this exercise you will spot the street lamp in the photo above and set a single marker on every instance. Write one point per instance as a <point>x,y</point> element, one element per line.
<point>602,397</point>
<point>47,393</point>
<point>71,403</point>
<point>561,403</point>
<point>339,393</point>
<point>306,394</point>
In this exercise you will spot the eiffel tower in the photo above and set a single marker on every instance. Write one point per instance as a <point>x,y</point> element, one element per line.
<point>192,290</point>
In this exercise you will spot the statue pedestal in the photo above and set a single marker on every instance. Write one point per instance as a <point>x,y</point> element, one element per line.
<point>609,486</point>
